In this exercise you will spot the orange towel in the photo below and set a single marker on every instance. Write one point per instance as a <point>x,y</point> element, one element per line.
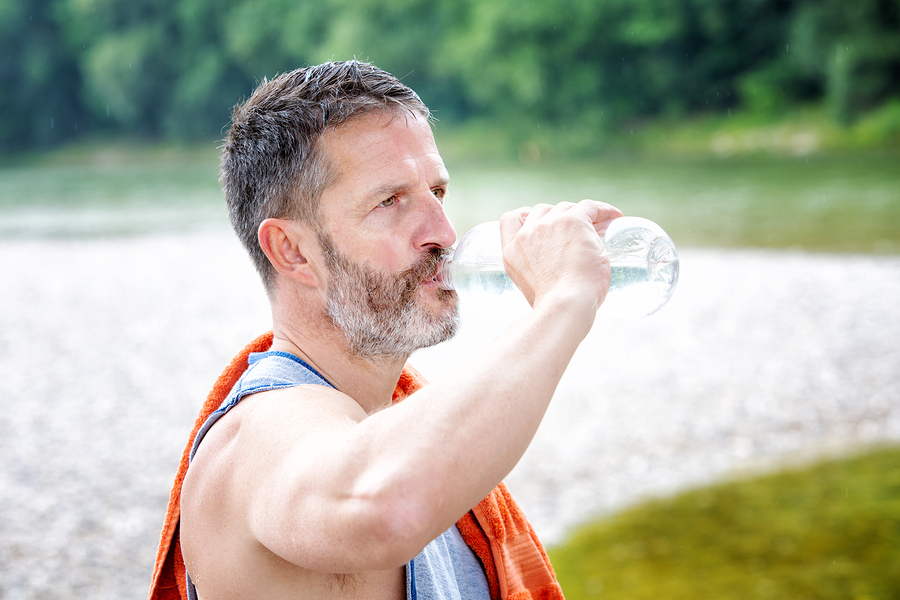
<point>496,530</point>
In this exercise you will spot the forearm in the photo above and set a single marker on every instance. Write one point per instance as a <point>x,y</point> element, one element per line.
<point>490,406</point>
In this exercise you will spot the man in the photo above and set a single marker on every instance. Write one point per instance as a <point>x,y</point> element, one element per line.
<point>309,482</point>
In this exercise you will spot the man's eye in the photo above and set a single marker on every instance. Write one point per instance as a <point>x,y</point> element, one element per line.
<point>390,201</point>
<point>439,193</point>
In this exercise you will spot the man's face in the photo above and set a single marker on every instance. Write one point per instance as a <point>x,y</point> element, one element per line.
<point>383,233</point>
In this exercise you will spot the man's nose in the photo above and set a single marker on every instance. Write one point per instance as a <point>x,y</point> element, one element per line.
<point>437,229</point>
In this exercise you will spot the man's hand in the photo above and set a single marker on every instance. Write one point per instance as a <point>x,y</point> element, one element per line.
<point>551,250</point>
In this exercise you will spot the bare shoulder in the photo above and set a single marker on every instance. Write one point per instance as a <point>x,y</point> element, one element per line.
<point>269,423</point>
<point>255,436</point>
<point>303,415</point>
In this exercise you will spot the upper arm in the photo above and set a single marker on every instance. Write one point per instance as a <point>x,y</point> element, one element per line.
<point>286,471</point>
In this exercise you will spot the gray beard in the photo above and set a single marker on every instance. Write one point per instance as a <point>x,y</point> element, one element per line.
<point>379,312</point>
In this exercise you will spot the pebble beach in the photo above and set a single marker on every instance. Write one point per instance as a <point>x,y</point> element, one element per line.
<point>109,345</point>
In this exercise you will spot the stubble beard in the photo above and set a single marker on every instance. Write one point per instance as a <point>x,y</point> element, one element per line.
<point>379,312</point>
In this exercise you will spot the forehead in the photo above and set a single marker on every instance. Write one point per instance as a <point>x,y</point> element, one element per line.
<point>381,149</point>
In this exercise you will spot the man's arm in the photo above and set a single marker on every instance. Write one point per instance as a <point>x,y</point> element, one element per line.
<point>326,487</point>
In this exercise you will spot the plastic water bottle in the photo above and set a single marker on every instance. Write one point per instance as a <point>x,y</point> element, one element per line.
<point>643,261</point>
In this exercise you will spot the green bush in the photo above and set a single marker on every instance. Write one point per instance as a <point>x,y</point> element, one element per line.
<point>881,127</point>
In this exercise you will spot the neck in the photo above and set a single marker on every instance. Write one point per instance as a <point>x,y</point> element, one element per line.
<point>369,382</point>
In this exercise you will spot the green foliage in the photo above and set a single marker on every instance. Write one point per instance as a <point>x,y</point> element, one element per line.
<point>880,127</point>
<point>850,49</point>
<point>39,83</point>
<point>173,68</point>
<point>827,531</point>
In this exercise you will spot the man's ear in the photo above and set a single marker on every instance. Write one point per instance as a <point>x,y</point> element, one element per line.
<point>289,245</point>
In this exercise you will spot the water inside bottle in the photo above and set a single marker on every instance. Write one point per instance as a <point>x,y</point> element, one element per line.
<point>484,277</point>
<point>639,286</point>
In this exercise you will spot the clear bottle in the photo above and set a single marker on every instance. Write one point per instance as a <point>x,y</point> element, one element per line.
<point>643,261</point>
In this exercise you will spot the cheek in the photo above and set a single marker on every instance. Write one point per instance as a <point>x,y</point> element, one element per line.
<point>385,241</point>
<point>389,255</point>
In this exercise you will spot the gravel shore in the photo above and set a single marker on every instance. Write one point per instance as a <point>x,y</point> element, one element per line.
<point>108,347</point>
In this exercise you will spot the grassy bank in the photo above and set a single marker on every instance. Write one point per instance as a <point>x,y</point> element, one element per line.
<point>818,203</point>
<point>798,132</point>
<point>110,188</point>
<point>110,173</point>
<point>829,531</point>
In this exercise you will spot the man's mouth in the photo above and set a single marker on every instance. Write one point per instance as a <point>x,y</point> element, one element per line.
<point>429,268</point>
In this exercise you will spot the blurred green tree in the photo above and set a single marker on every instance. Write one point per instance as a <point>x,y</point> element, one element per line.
<point>173,68</point>
<point>848,52</point>
<point>39,103</point>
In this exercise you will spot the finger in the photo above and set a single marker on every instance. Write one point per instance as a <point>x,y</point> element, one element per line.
<point>538,211</point>
<point>600,213</point>
<point>561,208</point>
<point>511,222</point>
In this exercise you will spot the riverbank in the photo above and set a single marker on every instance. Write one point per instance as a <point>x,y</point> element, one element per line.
<point>108,346</point>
